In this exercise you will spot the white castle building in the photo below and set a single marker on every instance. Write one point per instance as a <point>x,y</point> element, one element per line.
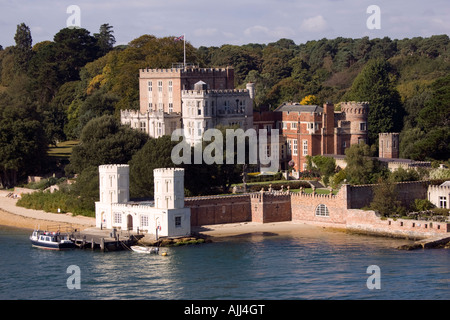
<point>194,99</point>
<point>166,216</point>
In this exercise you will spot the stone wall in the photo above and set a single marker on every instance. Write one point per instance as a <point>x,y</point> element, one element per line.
<point>362,195</point>
<point>369,222</point>
<point>219,209</point>
<point>271,207</point>
<point>329,210</point>
<point>304,207</point>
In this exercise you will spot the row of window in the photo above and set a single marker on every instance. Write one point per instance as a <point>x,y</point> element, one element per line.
<point>143,220</point>
<point>292,147</point>
<point>160,86</point>
<point>313,125</point>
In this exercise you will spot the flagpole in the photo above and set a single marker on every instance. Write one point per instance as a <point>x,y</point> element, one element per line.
<point>184,41</point>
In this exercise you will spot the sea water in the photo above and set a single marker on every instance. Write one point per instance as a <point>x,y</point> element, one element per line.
<point>314,265</point>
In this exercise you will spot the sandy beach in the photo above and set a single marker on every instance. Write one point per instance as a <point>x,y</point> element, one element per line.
<point>254,228</point>
<point>13,216</point>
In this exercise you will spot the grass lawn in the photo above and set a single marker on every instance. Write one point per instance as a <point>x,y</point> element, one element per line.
<point>62,149</point>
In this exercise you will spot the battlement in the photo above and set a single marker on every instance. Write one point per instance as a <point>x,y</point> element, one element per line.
<point>187,71</point>
<point>439,188</point>
<point>132,205</point>
<point>114,167</point>
<point>168,171</point>
<point>196,93</point>
<point>355,107</point>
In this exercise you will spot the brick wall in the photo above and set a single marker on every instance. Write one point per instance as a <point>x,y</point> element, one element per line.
<point>271,207</point>
<point>219,209</point>
<point>304,208</point>
<point>361,196</point>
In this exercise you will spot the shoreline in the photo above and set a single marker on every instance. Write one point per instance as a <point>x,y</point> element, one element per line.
<point>19,217</point>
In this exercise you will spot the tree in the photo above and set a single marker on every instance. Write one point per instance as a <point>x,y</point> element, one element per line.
<point>23,143</point>
<point>104,141</point>
<point>326,166</point>
<point>361,167</point>
<point>310,100</point>
<point>22,49</point>
<point>385,198</point>
<point>105,38</point>
<point>156,153</point>
<point>374,85</point>
<point>74,48</point>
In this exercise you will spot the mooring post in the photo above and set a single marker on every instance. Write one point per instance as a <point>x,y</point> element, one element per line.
<point>102,244</point>
<point>92,244</point>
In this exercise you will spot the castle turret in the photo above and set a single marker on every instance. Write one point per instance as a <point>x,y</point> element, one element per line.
<point>114,183</point>
<point>388,145</point>
<point>356,113</point>
<point>169,188</point>
<point>251,90</point>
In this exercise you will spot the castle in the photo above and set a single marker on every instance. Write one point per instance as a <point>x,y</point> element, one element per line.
<point>192,98</point>
<point>197,99</point>
<point>309,130</point>
<point>171,215</point>
<point>165,216</point>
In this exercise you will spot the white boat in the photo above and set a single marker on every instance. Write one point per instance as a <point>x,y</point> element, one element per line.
<point>142,249</point>
<point>51,240</point>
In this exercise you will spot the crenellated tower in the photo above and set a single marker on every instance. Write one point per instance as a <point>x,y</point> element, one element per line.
<point>389,145</point>
<point>169,188</point>
<point>114,183</point>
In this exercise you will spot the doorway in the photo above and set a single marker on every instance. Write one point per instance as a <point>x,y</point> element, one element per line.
<point>129,222</point>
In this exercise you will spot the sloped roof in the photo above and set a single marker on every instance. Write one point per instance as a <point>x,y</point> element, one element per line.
<point>299,108</point>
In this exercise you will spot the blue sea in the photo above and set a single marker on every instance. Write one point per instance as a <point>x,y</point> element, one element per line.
<point>317,265</point>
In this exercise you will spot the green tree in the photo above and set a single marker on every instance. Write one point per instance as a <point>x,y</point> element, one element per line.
<point>374,85</point>
<point>104,141</point>
<point>23,143</point>
<point>326,166</point>
<point>385,199</point>
<point>361,167</point>
<point>156,153</point>
<point>74,48</point>
<point>22,49</point>
<point>105,38</point>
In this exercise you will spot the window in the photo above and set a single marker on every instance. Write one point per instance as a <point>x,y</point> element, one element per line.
<point>294,147</point>
<point>284,125</point>
<point>293,125</point>
<point>160,86</point>
<point>322,210</point>
<point>150,86</point>
<point>142,126</point>
<point>117,217</point>
<point>144,221</point>
<point>305,147</point>
<point>170,107</point>
<point>442,202</point>
<point>289,147</point>
<point>362,126</point>
<point>177,222</point>
<point>170,86</point>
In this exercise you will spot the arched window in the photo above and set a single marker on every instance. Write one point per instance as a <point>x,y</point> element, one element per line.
<point>322,210</point>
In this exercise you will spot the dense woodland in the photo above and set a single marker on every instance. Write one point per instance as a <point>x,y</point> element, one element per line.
<point>50,91</point>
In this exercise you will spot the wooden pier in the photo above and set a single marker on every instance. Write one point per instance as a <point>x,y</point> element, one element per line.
<point>105,240</point>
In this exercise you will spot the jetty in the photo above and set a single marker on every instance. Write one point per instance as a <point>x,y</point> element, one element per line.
<point>442,241</point>
<point>105,240</point>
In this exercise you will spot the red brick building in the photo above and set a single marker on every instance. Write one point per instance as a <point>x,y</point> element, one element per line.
<point>314,130</point>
